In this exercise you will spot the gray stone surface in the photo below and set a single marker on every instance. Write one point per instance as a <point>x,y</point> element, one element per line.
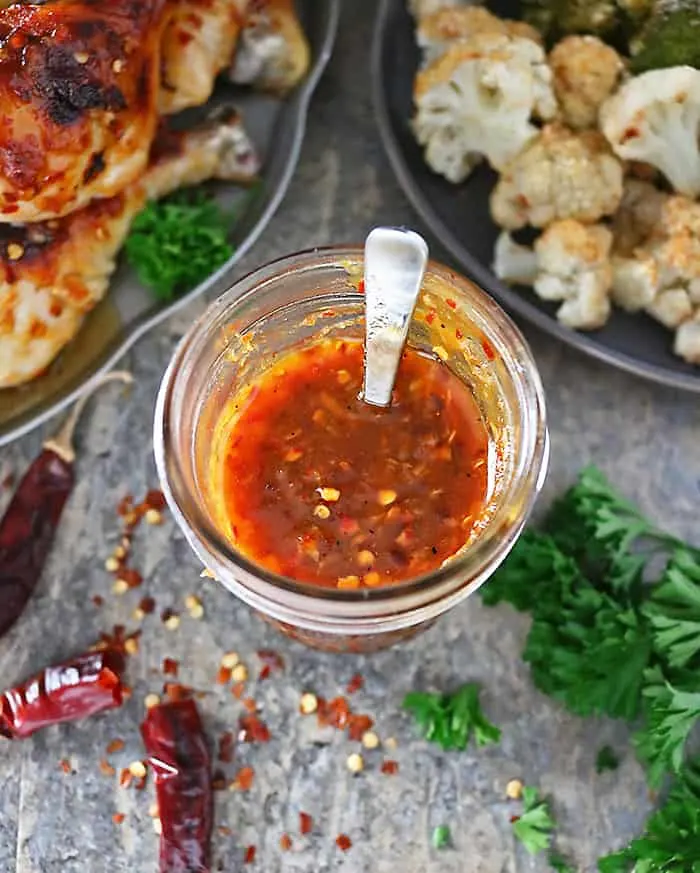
<point>644,436</point>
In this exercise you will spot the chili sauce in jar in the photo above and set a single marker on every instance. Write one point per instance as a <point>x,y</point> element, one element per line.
<point>323,488</point>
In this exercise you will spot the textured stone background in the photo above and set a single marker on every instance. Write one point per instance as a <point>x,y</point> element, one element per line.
<point>645,437</point>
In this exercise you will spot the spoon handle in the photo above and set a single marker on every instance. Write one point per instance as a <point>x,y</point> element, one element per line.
<point>395,262</point>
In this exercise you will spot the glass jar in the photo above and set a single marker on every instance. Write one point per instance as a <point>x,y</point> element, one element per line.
<point>317,294</point>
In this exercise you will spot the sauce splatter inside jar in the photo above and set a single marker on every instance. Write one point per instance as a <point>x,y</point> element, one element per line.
<point>326,489</point>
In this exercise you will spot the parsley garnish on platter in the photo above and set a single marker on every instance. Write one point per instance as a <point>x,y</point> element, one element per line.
<point>450,720</point>
<point>176,243</point>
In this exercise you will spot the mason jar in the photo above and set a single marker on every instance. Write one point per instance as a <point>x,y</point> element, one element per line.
<point>300,299</point>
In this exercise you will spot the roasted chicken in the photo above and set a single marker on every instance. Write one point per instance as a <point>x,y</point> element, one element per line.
<point>52,273</point>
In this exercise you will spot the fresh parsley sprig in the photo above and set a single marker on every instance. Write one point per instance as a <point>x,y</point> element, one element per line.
<point>534,826</point>
<point>450,720</point>
<point>176,243</point>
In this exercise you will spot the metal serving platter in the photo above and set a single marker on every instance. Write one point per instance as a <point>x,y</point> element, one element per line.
<point>459,217</point>
<point>277,128</point>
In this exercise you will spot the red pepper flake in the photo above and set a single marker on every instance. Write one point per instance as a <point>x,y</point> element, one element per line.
<point>125,777</point>
<point>343,842</point>
<point>285,842</point>
<point>355,683</point>
<point>226,747</point>
<point>252,730</point>
<point>361,286</point>
<point>334,712</point>
<point>238,689</point>
<point>8,481</point>
<point>265,672</point>
<point>451,303</point>
<point>244,779</point>
<point>272,660</point>
<point>458,334</point>
<point>389,768</point>
<point>147,605</point>
<point>176,692</point>
<point>97,600</point>
<point>132,577</point>
<point>514,818</point>
<point>250,704</point>
<point>127,691</point>
<point>170,667</point>
<point>488,350</point>
<point>219,781</point>
<point>306,823</point>
<point>115,746</point>
<point>249,855</point>
<point>64,764</point>
<point>125,505</point>
<point>430,317</point>
<point>155,499</point>
<point>118,818</point>
<point>106,768</point>
<point>223,677</point>
<point>359,725</point>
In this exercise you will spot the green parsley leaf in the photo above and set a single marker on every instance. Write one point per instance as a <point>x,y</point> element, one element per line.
<point>559,863</point>
<point>671,838</point>
<point>674,610</point>
<point>441,837</point>
<point>671,712</point>
<point>535,825</point>
<point>176,243</point>
<point>606,759</point>
<point>450,720</point>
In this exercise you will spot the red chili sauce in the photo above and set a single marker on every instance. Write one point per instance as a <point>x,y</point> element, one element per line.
<point>324,488</point>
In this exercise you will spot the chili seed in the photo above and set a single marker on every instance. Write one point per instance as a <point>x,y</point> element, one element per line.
<point>207,574</point>
<point>365,558</point>
<point>308,703</point>
<point>153,810</point>
<point>239,673</point>
<point>514,789</point>
<point>322,511</point>
<point>172,622</point>
<point>151,701</point>
<point>194,606</point>
<point>121,586</point>
<point>117,65</point>
<point>390,743</point>
<point>111,564</point>
<point>370,740</point>
<point>137,769</point>
<point>348,582</point>
<point>329,494</point>
<point>158,826</point>
<point>387,497</point>
<point>15,251</point>
<point>119,553</point>
<point>153,516</point>
<point>355,763</point>
<point>81,57</point>
<point>229,660</point>
<point>131,646</point>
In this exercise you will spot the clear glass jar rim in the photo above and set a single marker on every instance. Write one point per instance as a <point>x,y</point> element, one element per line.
<point>490,547</point>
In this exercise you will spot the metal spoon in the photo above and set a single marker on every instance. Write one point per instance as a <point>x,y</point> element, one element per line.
<point>395,262</point>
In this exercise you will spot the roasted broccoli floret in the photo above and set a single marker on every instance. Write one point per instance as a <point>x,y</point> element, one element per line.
<point>670,37</point>
<point>559,17</point>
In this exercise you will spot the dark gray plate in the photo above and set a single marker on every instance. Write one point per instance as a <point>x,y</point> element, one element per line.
<point>459,217</point>
<point>277,128</point>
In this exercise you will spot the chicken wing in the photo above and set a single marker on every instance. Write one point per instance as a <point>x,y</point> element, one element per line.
<point>79,83</point>
<point>198,44</point>
<point>273,52</point>
<point>52,273</point>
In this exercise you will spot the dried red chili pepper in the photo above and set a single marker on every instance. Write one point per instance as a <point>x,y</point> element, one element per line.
<point>74,689</point>
<point>28,527</point>
<point>178,754</point>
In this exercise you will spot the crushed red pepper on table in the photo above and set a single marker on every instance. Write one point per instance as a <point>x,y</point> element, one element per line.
<point>75,689</point>
<point>251,729</point>
<point>249,855</point>
<point>343,842</point>
<point>338,493</point>
<point>306,823</point>
<point>244,779</point>
<point>179,758</point>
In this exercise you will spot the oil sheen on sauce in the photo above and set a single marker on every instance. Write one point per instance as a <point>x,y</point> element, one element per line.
<point>326,489</point>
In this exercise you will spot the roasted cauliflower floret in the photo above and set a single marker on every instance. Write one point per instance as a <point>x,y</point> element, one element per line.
<point>435,32</point>
<point>586,71</point>
<point>687,340</point>
<point>655,117</point>
<point>570,263</point>
<point>421,8</point>
<point>638,214</point>
<point>560,174</point>
<point>478,98</point>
